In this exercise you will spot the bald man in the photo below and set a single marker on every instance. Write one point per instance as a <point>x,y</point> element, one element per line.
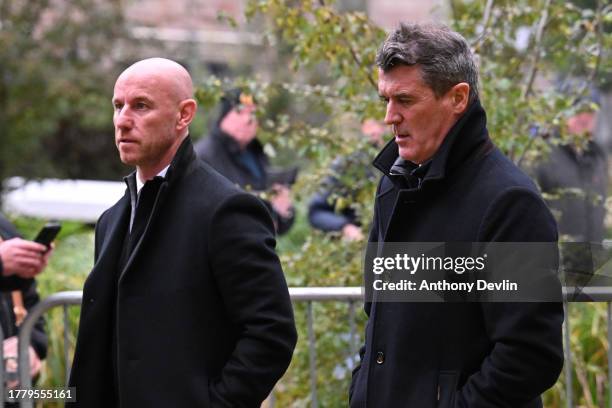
<point>186,305</point>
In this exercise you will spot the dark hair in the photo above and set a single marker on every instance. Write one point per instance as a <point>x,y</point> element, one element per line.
<point>232,98</point>
<point>443,55</point>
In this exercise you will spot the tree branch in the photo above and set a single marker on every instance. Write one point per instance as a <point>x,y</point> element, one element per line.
<point>359,62</point>
<point>598,23</point>
<point>486,18</point>
<point>355,55</point>
<point>600,38</point>
<point>538,51</point>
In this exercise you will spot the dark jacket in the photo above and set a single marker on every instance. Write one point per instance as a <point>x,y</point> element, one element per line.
<point>575,184</point>
<point>476,355</point>
<point>201,308</point>
<point>248,169</point>
<point>30,299</point>
<point>347,176</point>
<point>323,215</point>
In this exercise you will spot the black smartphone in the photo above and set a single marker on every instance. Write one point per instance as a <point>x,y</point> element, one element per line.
<point>48,233</point>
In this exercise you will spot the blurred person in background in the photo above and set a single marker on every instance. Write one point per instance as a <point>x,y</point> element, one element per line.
<point>330,209</point>
<point>233,150</point>
<point>574,178</point>
<point>20,262</point>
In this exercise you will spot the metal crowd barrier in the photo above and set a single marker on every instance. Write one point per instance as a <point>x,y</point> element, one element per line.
<point>351,295</point>
<point>63,299</point>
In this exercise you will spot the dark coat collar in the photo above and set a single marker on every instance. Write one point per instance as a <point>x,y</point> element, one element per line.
<point>181,164</point>
<point>182,161</point>
<point>462,140</point>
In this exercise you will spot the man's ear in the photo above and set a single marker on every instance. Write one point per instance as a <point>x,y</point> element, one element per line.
<point>459,97</point>
<point>186,112</point>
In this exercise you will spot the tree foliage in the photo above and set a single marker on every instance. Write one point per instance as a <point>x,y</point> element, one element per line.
<point>55,58</point>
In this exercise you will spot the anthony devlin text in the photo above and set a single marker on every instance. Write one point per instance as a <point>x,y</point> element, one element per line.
<point>443,285</point>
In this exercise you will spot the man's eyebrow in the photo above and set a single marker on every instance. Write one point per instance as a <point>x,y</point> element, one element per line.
<point>403,94</point>
<point>138,98</point>
<point>398,95</point>
<point>142,98</point>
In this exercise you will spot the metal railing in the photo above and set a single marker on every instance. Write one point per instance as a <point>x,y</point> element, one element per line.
<point>63,299</point>
<point>351,295</point>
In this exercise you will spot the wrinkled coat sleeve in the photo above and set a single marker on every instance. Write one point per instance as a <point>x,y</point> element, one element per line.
<point>323,216</point>
<point>322,213</point>
<point>527,356</point>
<point>251,281</point>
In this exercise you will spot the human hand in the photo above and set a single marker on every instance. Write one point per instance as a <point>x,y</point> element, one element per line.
<point>351,232</point>
<point>10,347</point>
<point>25,259</point>
<point>281,200</point>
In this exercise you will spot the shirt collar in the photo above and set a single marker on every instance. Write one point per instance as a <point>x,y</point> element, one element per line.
<point>140,184</point>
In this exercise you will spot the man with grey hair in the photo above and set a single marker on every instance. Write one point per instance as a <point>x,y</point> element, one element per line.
<point>444,181</point>
<point>187,304</point>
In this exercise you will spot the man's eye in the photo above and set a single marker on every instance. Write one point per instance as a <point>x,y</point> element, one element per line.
<point>383,99</point>
<point>117,106</point>
<point>140,105</point>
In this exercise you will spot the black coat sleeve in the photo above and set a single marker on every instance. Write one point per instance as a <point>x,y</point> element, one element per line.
<point>323,216</point>
<point>527,354</point>
<point>252,284</point>
<point>9,283</point>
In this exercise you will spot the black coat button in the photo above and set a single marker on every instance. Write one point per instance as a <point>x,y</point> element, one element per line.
<point>380,357</point>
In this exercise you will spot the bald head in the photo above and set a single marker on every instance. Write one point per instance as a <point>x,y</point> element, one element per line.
<point>167,73</point>
<point>153,107</point>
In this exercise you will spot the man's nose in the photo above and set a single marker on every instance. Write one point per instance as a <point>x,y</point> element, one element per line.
<point>122,119</point>
<point>392,117</point>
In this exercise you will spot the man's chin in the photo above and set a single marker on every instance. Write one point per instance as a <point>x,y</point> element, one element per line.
<point>407,154</point>
<point>127,159</point>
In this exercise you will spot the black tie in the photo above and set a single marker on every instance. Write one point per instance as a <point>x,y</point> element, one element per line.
<point>144,207</point>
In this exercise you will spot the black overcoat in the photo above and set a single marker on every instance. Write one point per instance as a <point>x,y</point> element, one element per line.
<point>469,355</point>
<point>203,315</point>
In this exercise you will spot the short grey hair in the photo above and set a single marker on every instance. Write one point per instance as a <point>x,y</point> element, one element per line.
<point>443,55</point>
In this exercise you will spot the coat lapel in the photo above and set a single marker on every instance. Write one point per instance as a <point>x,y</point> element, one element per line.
<point>158,201</point>
<point>181,164</point>
<point>110,244</point>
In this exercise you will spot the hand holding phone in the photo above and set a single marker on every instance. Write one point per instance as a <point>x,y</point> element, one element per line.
<point>48,233</point>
